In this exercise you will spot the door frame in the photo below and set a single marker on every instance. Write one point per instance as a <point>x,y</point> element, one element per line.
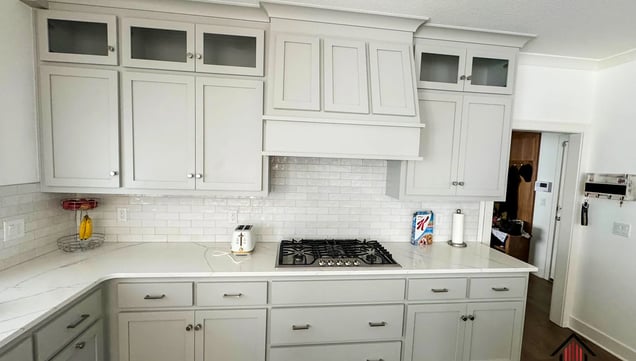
<point>562,289</point>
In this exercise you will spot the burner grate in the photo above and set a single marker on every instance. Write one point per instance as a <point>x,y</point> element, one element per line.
<point>333,252</point>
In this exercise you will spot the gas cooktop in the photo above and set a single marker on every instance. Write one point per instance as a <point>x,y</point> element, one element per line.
<point>333,253</point>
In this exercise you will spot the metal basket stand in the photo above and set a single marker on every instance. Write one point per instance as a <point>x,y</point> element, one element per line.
<point>72,243</point>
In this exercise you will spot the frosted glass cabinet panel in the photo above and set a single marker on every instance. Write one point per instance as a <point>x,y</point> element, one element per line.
<point>77,37</point>
<point>229,50</point>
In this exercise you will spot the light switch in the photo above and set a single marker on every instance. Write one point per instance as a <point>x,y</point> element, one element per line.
<point>13,229</point>
<point>621,229</point>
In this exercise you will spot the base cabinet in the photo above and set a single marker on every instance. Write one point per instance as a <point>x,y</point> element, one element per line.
<point>237,335</point>
<point>22,352</point>
<point>464,331</point>
<point>386,351</point>
<point>89,346</point>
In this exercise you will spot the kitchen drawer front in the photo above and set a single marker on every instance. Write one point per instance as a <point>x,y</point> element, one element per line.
<point>350,291</point>
<point>335,324</point>
<point>386,351</point>
<point>231,293</point>
<point>512,287</point>
<point>437,289</point>
<point>67,326</point>
<point>145,295</point>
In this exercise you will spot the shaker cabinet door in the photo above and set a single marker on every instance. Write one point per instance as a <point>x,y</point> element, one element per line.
<point>229,134</point>
<point>345,76</point>
<point>297,72</point>
<point>490,69</point>
<point>80,127</point>
<point>440,66</point>
<point>484,146</point>
<point>391,79</point>
<point>495,331</point>
<point>439,146</point>
<point>229,50</point>
<point>435,332</point>
<point>237,335</point>
<point>158,131</point>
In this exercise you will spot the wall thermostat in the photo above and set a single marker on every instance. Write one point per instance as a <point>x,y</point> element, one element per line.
<point>543,186</point>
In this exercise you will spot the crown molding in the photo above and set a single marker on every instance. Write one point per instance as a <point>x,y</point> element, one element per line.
<point>473,35</point>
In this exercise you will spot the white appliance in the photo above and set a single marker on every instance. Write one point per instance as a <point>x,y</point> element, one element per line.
<point>243,241</point>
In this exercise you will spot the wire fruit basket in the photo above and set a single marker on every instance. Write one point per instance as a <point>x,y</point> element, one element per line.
<point>84,239</point>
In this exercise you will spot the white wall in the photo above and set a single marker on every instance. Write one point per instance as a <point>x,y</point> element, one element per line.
<point>311,197</point>
<point>603,303</point>
<point>18,152</point>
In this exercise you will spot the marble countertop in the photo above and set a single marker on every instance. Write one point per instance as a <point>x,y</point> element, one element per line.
<point>33,290</point>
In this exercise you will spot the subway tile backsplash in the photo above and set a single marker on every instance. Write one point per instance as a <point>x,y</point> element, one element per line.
<point>309,198</point>
<point>44,222</point>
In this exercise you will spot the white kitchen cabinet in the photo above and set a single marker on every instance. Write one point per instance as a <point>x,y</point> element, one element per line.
<point>79,127</point>
<point>435,332</point>
<point>158,131</point>
<point>297,69</point>
<point>391,79</point>
<point>170,45</point>
<point>157,336</point>
<point>174,139</point>
<point>386,351</point>
<point>229,134</point>
<point>448,65</point>
<point>89,346</point>
<point>345,76</point>
<point>464,147</point>
<point>237,335</point>
<point>494,331</point>
<point>22,352</point>
<point>77,37</point>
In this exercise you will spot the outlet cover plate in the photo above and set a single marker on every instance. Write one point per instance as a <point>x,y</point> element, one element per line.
<point>13,229</point>
<point>621,229</point>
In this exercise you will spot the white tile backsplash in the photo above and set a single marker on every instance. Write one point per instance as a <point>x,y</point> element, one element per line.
<point>310,197</point>
<point>44,221</point>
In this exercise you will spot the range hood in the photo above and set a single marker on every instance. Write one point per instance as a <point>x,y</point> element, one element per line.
<point>341,84</point>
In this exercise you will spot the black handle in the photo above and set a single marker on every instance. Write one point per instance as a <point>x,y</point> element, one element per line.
<point>439,290</point>
<point>377,324</point>
<point>77,323</point>
<point>500,289</point>
<point>154,297</point>
<point>584,216</point>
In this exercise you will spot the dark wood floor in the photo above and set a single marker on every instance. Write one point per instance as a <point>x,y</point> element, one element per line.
<point>540,336</point>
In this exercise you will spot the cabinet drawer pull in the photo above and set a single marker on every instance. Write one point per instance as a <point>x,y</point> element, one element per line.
<point>377,324</point>
<point>375,359</point>
<point>77,323</point>
<point>300,327</point>
<point>500,289</point>
<point>237,295</point>
<point>439,290</point>
<point>154,297</point>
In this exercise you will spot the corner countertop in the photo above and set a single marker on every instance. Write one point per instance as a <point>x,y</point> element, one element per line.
<point>33,290</point>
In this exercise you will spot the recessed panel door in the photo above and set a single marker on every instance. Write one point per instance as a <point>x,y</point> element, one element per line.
<point>237,335</point>
<point>229,50</point>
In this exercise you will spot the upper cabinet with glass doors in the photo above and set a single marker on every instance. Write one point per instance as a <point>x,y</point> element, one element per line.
<point>467,67</point>
<point>192,47</point>
<point>77,37</point>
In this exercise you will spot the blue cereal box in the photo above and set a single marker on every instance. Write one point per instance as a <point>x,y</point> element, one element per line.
<point>422,228</point>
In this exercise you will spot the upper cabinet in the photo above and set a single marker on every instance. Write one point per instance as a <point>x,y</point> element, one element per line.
<point>184,46</point>
<point>470,60</point>
<point>77,37</point>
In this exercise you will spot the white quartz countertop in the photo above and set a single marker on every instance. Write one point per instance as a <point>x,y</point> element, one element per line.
<point>33,290</point>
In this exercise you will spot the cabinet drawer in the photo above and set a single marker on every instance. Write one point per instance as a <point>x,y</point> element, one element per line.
<point>335,324</point>
<point>68,325</point>
<point>387,351</point>
<point>231,293</point>
<point>88,346</point>
<point>513,287</point>
<point>133,295</point>
<point>437,289</point>
<point>320,292</point>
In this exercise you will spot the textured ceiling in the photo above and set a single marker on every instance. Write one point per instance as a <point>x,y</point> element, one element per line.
<point>578,28</point>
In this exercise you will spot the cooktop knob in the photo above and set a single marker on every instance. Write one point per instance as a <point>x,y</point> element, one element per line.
<point>330,263</point>
<point>339,263</point>
<point>348,263</point>
<point>321,263</point>
<point>356,263</point>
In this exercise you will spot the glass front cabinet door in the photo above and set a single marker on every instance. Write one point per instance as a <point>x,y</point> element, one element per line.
<point>192,47</point>
<point>465,67</point>
<point>77,37</point>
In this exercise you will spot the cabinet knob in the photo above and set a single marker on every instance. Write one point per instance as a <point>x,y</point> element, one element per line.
<point>454,183</point>
<point>463,77</point>
<point>198,327</point>
<point>189,327</point>
<point>113,173</point>
<point>461,184</point>
<point>190,175</point>
<point>471,317</point>
<point>199,56</point>
<point>198,176</point>
<point>111,48</point>
<point>469,77</point>
<point>463,318</point>
<point>80,345</point>
<point>189,55</point>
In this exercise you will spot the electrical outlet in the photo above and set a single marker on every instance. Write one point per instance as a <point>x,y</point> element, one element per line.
<point>122,215</point>
<point>13,229</point>
<point>621,229</point>
<point>233,217</point>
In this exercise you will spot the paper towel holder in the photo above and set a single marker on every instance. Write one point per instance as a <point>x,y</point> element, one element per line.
<point>458,245</point>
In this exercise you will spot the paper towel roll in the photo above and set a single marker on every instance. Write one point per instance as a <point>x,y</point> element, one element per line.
<point>457,236</point>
